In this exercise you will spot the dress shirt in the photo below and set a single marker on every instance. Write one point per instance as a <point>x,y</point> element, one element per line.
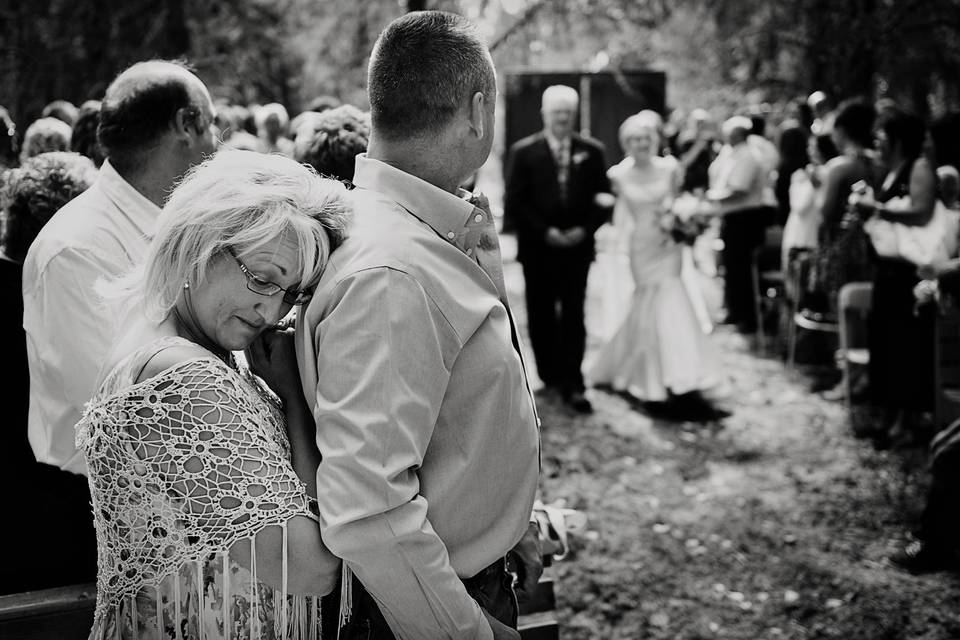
<point>426,425</point>
<point>100,233</point>
<point>738,168</point>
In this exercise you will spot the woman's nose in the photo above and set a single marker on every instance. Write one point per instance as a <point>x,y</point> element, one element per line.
<point>273,308</point>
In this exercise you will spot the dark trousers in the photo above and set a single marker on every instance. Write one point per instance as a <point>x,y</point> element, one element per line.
<point>901,340</point>
<point>741,232</point>
<point>492,588</point>
<point>555,292</point>
<point>940,522</point>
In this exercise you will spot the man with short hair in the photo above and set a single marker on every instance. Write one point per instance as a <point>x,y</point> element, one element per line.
<point>411,362</point>
<point>156,122</point>
<point>552,180</point>
<point>737,184</point>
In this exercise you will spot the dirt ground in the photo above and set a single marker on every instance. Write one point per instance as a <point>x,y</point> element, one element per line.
<point>772,523</point>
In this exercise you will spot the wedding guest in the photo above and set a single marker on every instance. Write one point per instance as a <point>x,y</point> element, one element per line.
<point>738,179</point>
<point>697,149</point>
<point>852,134</point>
<point>792,147</point>
<point>156,122</point>
<point>29,196</point>
<point>83,137</point>
<point>822,107</point>
<point>948,186</point>
<point>315,106</point>
<point>272,122</point>
<point>552,179</point>
<point>203,486</point>
<point>331,142</point>
<point>411,361</point>
<point>659,353</point>
<point>9,146</point>
<point>45,134</point>
<point>901,341</point>
<point>802,227</point>
<point>62,110</point>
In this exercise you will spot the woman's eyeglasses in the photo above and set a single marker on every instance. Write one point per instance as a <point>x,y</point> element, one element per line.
<point>266,288</point>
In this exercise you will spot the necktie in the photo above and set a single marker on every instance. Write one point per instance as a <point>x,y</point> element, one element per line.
<point>562,156</point>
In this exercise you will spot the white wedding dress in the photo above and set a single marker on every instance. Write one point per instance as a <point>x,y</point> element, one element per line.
<point>660,346</point>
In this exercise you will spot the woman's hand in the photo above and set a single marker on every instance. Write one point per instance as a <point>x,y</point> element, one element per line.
<point>272,356</point>
<point>861,197</point>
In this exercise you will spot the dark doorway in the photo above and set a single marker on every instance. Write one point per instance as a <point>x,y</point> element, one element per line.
<point>606,100</point>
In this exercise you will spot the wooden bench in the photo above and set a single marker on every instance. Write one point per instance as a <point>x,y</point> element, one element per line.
<point>62,613</point>
<point>66,613</point>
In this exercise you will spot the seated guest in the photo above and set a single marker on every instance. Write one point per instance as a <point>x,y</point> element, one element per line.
<point>61,110</point>
<point>83,138</point>
<point>45,134</point>
<point>29,196</point>
<point>272,122</point>
<point>333,139</point>
<point>204,486</point>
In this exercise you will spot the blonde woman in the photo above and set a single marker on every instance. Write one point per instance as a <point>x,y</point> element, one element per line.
<point>659,353</point>
<point>202,483</point>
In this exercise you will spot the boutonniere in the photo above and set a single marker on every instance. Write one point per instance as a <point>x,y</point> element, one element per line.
<point>579,157</point>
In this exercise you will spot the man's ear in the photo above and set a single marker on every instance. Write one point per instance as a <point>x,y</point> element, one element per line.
<point>185,122</point>
<point>478,107</point>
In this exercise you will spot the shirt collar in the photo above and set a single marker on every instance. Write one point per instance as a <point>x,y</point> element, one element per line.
<point>556,144</point>
<point>141,211</point>
<point>446,213</point>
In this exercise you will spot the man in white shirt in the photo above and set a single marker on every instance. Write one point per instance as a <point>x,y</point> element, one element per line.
<point>157,121</point>
<point>738,180</point>
<point>411,362</point>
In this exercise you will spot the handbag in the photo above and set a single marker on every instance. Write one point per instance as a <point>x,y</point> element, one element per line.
<point>933,242</point>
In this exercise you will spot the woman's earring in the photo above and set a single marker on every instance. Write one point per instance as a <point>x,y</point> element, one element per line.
<point>186,285</point>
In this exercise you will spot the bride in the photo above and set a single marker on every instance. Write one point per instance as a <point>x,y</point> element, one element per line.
<point>659,353</point>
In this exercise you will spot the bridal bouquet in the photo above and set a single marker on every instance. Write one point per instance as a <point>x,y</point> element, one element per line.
<point>687,217</point>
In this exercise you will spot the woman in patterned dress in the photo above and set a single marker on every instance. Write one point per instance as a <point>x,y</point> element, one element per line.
<point>202,479</point>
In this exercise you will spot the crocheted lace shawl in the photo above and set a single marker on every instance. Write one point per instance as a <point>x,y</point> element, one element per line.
<point>182,466</point>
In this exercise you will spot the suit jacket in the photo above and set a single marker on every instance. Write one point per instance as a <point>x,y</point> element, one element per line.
<point>532,200</point>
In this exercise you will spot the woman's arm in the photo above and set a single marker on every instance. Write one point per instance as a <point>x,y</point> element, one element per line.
<point>273,357</point>
<point>239,485</point>
<point>923,198</point>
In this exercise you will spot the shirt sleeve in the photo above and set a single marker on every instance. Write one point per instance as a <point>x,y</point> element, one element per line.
<point>68,336</point>
<point>385,353</point>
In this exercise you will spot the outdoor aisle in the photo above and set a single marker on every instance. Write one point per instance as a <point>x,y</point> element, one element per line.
<point>772,524</point>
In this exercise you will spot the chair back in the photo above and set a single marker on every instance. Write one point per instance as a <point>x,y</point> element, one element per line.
<point>853,304</point>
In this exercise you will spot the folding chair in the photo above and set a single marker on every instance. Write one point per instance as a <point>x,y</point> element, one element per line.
<point>853,306</point>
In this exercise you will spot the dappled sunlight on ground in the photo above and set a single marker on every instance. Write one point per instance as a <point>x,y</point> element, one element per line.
<point>772,523</point>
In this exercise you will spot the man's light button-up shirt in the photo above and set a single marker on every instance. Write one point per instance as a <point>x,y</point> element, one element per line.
<point>428,432</point>
<point>98,234</point>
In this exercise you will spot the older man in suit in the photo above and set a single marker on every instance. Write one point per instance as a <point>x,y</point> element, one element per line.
<point>552,180</point>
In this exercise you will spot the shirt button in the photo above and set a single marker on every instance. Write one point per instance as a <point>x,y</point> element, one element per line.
<point>451,235</point>
<point>478,218</point>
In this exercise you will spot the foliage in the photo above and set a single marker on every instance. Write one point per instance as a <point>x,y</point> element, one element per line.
<point>717,53</point>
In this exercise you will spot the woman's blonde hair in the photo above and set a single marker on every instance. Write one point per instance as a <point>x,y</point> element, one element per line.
<point>239,200</point>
